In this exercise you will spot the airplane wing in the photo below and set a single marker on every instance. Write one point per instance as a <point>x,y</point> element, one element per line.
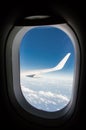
<point>58,67</point>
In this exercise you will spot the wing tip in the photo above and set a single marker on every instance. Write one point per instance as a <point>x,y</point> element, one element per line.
<point>69,54</point>
<point>63,62</point>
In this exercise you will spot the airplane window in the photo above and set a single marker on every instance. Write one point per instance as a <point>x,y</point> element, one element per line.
<point>43,64</point>
<point>47,64</point>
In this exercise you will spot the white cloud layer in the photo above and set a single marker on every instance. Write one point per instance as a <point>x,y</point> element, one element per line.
<point>47,94</point>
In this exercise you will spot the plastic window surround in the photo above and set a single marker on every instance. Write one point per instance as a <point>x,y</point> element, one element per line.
<point>13,72</point>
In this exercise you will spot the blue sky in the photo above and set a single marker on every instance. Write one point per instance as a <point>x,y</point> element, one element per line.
<point>44,47</point>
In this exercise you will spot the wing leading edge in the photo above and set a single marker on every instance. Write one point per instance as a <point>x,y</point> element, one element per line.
<point>58,67</point>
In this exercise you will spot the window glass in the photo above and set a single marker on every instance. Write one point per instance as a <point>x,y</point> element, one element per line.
<point>47,64</point>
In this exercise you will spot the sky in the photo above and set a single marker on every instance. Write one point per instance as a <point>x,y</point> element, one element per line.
<point>44,47</point>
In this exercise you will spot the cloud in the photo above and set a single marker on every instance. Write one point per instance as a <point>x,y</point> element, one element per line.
<point>46,93</point>
<point>45,100</point>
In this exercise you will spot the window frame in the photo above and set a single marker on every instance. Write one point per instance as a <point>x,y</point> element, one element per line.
<point>13,81</point>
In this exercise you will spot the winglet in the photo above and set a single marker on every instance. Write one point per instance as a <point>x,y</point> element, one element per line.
<point>62,62</point>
